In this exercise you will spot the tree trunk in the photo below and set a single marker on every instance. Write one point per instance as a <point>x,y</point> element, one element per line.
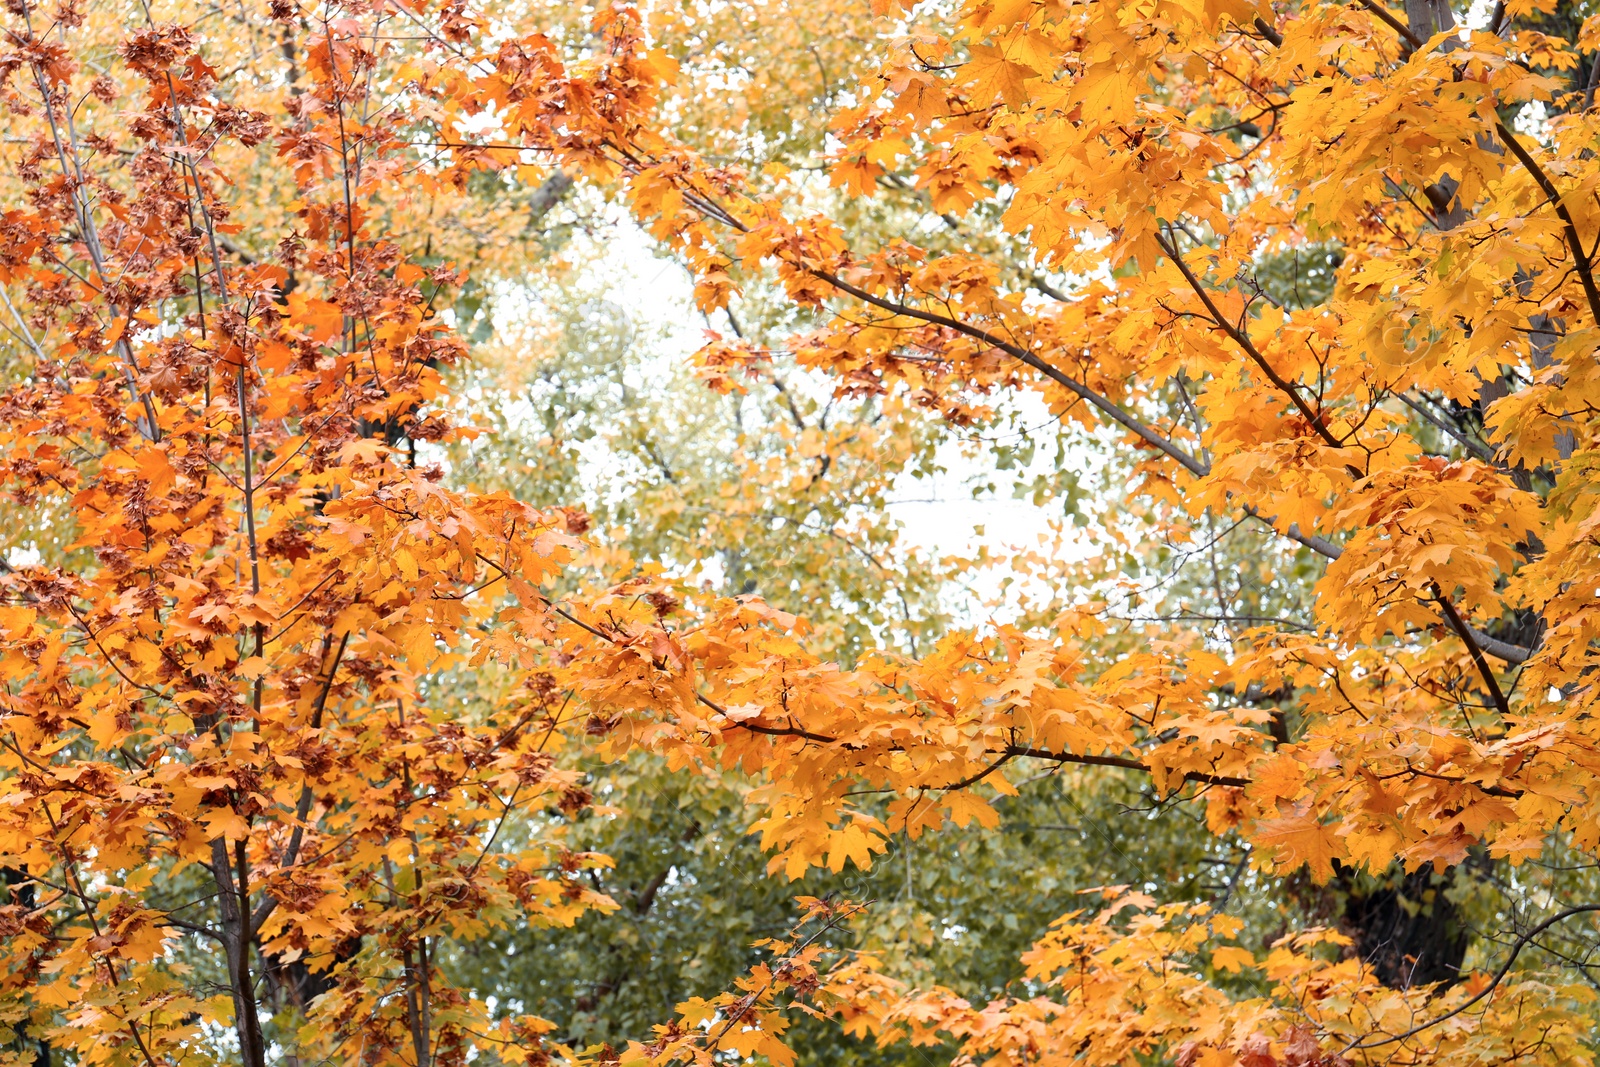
<point>1428,17</point>
<point>1405,927</point>
<point>234,903</point>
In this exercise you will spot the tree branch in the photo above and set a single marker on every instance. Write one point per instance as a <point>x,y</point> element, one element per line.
<point>1328,550</point>
<point>302,809</point>
<point>1007,753</point>
<point>1580,260</point>
<point>1465,633</point>
<point>1242,339</point>
<point>1017,352</point>
<point>1505,968</point>
<point>1393,23</point>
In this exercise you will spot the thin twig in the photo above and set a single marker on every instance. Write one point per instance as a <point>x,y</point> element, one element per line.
<point>1580,259</point>
<point>1505,968</point>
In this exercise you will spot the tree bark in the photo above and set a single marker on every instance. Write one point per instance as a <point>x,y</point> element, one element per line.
<point>234,903</point>
<point>1405,927</point>
<point>1428,17</point>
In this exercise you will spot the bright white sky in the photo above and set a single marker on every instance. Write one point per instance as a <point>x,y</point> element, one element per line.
<point>939,514</point>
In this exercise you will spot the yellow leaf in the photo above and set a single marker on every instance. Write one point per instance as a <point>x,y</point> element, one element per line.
<point>1300,839</point>
<point>1231,959</point>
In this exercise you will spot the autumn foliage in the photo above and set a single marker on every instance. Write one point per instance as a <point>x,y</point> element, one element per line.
<point>273,701</point>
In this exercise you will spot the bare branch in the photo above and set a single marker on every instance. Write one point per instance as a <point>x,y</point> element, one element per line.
<point>1522,942</point>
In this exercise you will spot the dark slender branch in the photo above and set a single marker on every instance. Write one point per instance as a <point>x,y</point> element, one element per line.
<point>1505,968</point>
<point>1464,632</point>
<point>505,815</point>
<point>1115,412</point>
<point>974,779</point>
<point>1121,761</point>
<point>1580,259</point>
<point>1007,753</point>
<point>1265,29</point>
<point>1242,339</point>
<point>1495,647</point>
<point>1394,23</point>
<point>773,731</point>
<point>75,881</point>
<point>1477,448</point>
<point>302,808</point>
<point>1320,545</point>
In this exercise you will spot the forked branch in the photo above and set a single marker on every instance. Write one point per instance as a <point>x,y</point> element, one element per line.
<point>1522,942</point>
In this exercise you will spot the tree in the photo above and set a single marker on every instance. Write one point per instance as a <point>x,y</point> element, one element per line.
<point>1319,274</point>
<point>222,760</point>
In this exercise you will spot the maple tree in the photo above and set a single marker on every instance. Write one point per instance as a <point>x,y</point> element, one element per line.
<point>292,717</point>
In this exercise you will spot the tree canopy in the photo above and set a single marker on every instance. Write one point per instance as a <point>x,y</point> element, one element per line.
<point>421,645</point>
